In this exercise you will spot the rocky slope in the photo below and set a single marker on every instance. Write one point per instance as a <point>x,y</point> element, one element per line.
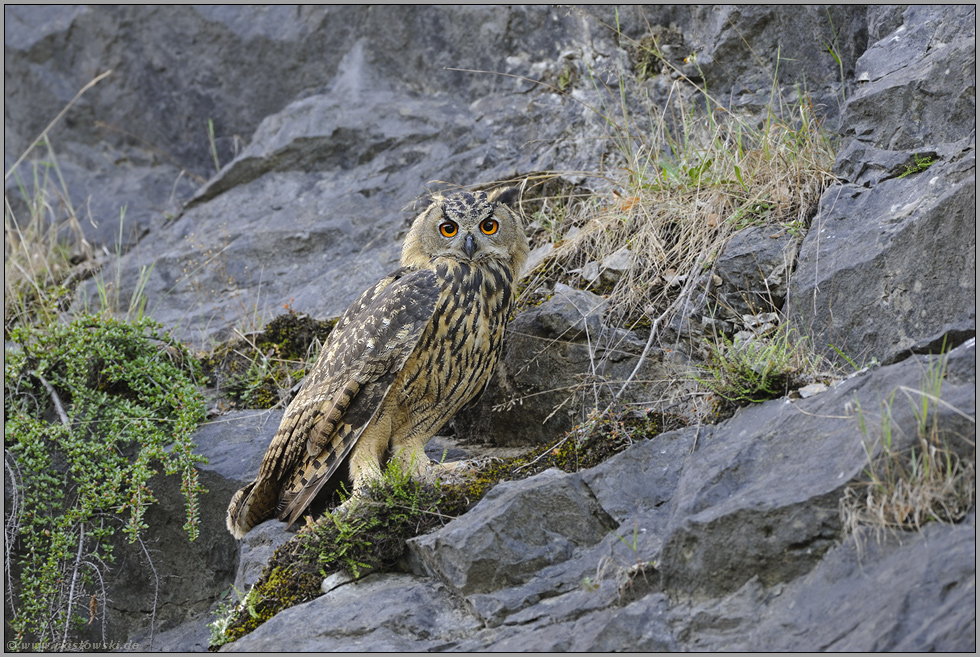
<point>331,121</point>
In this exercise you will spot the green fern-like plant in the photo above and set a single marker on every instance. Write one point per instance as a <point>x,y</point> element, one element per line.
<point>764,368</point>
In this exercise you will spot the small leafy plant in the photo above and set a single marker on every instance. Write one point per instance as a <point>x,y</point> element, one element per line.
<point>919,165</point>
<point>92,409</point>
<point>753,371</point>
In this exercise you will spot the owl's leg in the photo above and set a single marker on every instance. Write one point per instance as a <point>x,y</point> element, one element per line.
<point>365,458</point>
<point>413,460</point>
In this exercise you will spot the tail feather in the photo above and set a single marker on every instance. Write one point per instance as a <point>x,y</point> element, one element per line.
<point>292,505</point>
<point>251,505</point>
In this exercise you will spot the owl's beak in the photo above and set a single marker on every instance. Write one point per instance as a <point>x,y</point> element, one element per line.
<point>469,245</point>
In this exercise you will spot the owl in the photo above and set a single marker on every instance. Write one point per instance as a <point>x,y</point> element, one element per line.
<point>402,360</point>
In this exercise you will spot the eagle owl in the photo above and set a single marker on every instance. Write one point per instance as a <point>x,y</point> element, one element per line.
<point>403,359</point>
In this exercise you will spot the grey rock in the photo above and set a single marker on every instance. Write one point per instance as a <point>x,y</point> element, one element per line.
<point>503,540</point>
<point>589,579</point>
<point>557,593</point>
<point>637,627</point>
<point>193,635</point>
<point>642,478</point>
<point>255,550</point>
<point>380,612</point>
<point>912,592</point>
<point>838,593</point>
<point>152,113</point>
<point>889,270</point>
<point>916,233</point>
<point>611,268</point>
<point>736,47</point>
<point>335,580</point>
<point>307,215</point>
<point>883,20</point>
<point>571,315</point>
<point>933,53</point>
<point>142,133</point>
<point>754,268</point>
<point>235,443</point>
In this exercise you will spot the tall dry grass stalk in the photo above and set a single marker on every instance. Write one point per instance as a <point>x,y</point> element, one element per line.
<point>43,243</point>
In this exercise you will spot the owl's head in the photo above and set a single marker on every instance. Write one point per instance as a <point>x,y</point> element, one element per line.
<point>469,226</point>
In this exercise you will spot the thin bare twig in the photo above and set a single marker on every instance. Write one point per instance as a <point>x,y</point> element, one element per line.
<point>11,525</point>
<point>54,398</point>
<point>74,581</point>
<point>156,590</point>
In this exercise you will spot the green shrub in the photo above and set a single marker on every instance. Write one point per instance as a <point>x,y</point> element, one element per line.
<point>91,410</point>
<point>763,368</point>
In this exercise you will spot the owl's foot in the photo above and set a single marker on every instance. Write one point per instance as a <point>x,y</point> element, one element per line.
<point>451,473</point>
<point>345,509</point>
<point>339,513</point>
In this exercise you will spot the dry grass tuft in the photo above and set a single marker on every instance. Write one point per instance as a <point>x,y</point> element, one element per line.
<point>906,488</point>
<point>39,267</point>
<point>921,485</point>
<point>690,175</point>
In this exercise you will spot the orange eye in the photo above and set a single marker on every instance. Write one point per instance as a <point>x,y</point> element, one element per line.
<point>489,227</point>
<point>448,229</point>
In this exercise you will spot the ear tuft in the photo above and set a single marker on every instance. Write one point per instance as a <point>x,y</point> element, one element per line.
<point>505,195</point>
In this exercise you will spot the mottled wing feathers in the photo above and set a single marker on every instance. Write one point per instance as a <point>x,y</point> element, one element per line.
<point>373,347</point>
<point>365,352</point>
<point>303,486</point>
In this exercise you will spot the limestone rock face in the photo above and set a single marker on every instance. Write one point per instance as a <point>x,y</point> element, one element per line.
<point>330,127</point>
<point>889,265</point>
<point>717,539</point>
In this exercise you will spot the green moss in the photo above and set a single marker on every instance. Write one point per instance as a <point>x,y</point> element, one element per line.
<point>258,372</point>
<point>292,334</point>
<point>284,583</point>
<point>602,286</point>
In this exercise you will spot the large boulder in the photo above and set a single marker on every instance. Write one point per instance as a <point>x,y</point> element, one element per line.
<point>521,538</point>
<point>889,265</point>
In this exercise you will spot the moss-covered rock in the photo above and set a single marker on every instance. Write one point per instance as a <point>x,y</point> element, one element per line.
<point>260,370</point>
